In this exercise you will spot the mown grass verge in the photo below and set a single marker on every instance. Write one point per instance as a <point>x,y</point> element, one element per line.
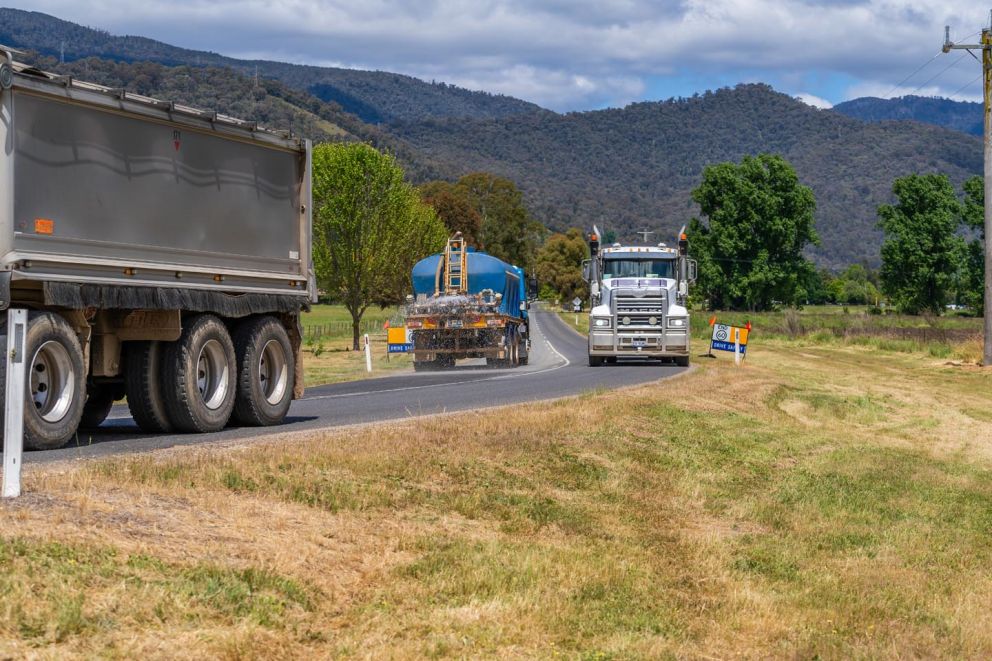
<point>823,500</point>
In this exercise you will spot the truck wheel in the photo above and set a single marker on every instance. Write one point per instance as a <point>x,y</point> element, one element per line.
<point>682,361</point>
<point>56,388</point>
<point>265,368</point>
<point>199,371</point>
<point>99,400</point>
<point>144,387</point>
<point>595,361</point>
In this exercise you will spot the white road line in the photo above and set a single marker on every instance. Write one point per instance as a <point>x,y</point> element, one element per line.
<point>566,362</point>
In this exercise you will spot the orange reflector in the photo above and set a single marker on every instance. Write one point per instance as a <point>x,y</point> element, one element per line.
<point>683,237</point>
<point>44,226</point>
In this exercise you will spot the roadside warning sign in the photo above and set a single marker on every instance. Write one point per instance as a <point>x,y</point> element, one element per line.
<point>730,338</point>
<point>398,340</point>
<point>725,337</point>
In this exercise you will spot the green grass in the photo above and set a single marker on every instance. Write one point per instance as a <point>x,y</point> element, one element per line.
<point>52,592</point>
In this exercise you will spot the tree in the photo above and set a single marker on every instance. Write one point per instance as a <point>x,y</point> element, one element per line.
<point>855,286</point>
<point>972,287</point>
<point>508,231</point>
<point>454,208</point>
<point>370,228</point>
<point>559,265</point>
<point>921,252</point>
<point>760,218</point>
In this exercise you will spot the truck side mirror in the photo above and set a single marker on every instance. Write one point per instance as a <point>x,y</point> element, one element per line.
<point>693,270</point>
<point>683,288</point>
<point>586,270</point>
<point>524,306</point>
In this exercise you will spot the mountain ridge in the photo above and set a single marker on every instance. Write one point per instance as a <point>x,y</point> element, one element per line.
<point>963,116</point>
<point>624,168</point>
<point>376,97</point>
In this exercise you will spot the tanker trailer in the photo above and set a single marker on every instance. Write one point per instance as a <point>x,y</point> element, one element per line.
<point>163,253</point>
<point>467,304</point>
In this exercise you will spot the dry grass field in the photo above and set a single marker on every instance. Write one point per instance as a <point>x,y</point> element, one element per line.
<point>823,501</point>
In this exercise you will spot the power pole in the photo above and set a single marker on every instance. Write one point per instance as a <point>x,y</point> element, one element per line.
<point>986,48</point>
<point>644,234</point>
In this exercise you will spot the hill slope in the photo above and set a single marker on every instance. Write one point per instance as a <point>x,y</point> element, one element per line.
<point>374,96</point>
<point>957,115</point>
<point>633,167</point>
<point>269,102</point>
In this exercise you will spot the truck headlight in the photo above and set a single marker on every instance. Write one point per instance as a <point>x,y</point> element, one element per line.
<point>676,322</point>
<point>601,322</point>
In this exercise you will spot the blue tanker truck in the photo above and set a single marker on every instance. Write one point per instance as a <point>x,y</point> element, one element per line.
<point>467,304</point>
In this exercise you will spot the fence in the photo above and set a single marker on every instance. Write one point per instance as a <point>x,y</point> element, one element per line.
<point>313,332</point>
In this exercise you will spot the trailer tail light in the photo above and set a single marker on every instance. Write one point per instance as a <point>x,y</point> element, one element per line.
<point>494,323</point>
<point>413,323</point>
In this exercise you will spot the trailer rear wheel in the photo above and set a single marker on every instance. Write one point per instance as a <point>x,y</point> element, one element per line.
<point>199,372</point>
<point>682,361</point>
<point>265,369</point>
<point>144,387</point>
<point>99,400</point>
<point>56,388</point>
<point>595,361</point>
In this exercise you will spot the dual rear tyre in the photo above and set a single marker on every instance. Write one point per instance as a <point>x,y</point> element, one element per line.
<point>209,379</point>
<point>199,383</point>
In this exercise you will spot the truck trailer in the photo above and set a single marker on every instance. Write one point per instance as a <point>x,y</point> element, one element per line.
<point>467,304</point>
<point>163,253</point>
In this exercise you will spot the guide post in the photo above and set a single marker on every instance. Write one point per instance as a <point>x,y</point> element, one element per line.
<point>14,387</point>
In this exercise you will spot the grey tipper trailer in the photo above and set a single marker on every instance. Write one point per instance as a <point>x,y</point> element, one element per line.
<point>164,254</point>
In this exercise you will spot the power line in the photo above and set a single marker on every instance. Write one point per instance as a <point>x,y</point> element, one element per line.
<point>919,69</point>
<point>964,87</point>
<point>939,74</point>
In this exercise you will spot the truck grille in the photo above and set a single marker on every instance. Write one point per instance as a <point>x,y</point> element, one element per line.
<point>647,305</point>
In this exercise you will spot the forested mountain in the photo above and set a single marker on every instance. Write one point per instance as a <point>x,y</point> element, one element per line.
<point>957,115</point>
<point>374,96</point>
<point>629,168</point>
<point>623,169</point>
<point>269,102</point>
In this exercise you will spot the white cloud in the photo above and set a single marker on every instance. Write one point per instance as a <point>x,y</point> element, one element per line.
<point>815,101</point>
<point>570,54</point>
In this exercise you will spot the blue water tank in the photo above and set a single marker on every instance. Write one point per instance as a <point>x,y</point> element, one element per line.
<point>484,272</point>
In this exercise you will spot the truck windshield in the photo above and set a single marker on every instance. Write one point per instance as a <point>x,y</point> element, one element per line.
<point>639,268</point>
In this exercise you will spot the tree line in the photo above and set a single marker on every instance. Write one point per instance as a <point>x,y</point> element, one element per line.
<point>756,223</point>
<point>759,222</point>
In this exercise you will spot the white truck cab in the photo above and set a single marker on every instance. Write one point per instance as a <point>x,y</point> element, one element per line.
<point>639,298</point>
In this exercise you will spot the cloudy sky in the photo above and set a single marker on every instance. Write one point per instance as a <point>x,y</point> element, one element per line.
<point>583,54</point>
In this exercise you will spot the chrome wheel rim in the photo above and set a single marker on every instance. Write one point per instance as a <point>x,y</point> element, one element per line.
<point>273,372</point>
<point>212,374</point>
<point>53,381</point>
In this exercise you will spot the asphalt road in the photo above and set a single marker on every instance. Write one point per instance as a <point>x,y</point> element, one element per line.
<point>558,368</point>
